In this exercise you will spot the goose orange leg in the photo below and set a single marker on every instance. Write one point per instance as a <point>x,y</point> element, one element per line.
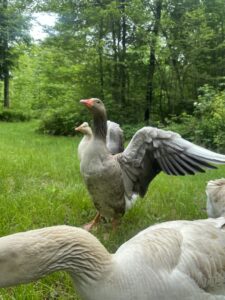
<point>115,223</point>
<point>94,222</point>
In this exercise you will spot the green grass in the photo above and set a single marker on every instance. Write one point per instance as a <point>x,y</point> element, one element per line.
<point>40,185</point>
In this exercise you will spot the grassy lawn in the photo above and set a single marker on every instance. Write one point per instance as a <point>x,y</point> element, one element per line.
<point>40,185</point>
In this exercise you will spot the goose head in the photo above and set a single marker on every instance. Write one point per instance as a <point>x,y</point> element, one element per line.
<point>95,105</point>
<point>84,128</point>
<point>97,108</point>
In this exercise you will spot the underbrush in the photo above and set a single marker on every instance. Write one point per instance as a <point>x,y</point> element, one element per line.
<point>9,115</point>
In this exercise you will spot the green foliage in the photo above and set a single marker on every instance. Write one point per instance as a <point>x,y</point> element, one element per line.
<point>25,83</point>
<point>130,129</point>
<point>62,121</point>
<point>14,30</point>
<point>206,127</point>
<point>210,113</point>
<point>184,124</point>
<point>124,114</point>
<point>105,51</point>
<point>10,115</point>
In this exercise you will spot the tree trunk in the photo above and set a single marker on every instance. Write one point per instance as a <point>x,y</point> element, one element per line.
<point>5,50</point>
<point>123,55</point>
<point>152,62</point>
<point>115,79</point>
<point>149,91</point>
<point>6,102</point>
<point>100,54</point>
<point>174,61</point>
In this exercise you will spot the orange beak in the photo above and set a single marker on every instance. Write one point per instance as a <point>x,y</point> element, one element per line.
<point>77,128</point>
<point>87,102</point>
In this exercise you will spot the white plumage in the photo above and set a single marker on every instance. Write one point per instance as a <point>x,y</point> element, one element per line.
<point>169,261</point>
<point>85,129</point>
<point>215,191</point>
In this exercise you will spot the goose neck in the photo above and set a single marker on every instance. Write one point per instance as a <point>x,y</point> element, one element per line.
<point>100,126</point>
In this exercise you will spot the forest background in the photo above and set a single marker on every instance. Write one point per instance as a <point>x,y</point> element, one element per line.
<point>159,63</point>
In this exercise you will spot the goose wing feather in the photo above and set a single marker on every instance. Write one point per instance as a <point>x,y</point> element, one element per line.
<point>152,150</point>
<point>114,138</point>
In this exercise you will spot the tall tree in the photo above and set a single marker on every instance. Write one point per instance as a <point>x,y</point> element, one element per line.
<point>123,58</point>
<point>152,59</point>
<point>4,51</point>
<point>13,30</point>
<point>150,55</point>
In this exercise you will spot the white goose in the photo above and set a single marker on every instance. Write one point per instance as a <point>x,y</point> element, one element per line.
<point>215,191</point>
<point>169,261</point>
<point>85,129</point>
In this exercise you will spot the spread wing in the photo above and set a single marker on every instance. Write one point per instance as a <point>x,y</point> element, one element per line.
<point>114,138</point>
<point>152,150</point>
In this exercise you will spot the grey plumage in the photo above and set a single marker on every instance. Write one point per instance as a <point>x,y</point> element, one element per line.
<point>150,151</point>
<point>153,150</point>
<point>114,137</point>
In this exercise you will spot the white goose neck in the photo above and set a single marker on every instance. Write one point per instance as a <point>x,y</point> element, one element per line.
<point>28,256</point>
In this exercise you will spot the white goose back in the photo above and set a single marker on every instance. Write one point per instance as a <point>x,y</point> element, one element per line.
<point>215,191</point>
<point>169,261</point>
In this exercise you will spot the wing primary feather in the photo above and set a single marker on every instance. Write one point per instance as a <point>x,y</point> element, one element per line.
<point>177,165</point>
<point>169,162</point>
<point>203,162</point>
<point>161,164</point>
<point>190,168</point>
<point>187,167</point>
<point>197,164</point>
<point>199,152</point>
<point>164,166</point>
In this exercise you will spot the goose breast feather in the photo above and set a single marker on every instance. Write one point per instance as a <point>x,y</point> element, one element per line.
<point>103,178</point>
